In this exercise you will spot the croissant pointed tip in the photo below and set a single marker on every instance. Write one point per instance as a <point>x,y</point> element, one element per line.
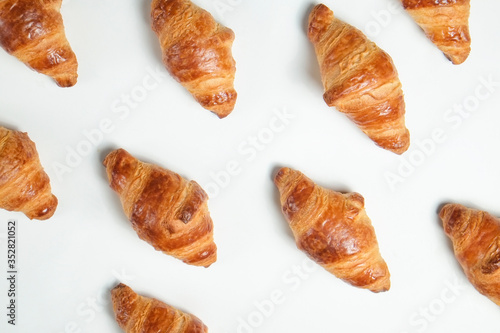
<point>457,59</point>
<point>221,103</point>
<point>118,290</point>
<point>381,289</point>
<point>203,258</point>
<point>395,143</point>
<point>46,210</point>
<point>210,263</point>
<point>66,80</point>
<point>448,209</point>
<point>120,285</point>
<point>113,155</point>
<point>282,176</point>
<point>400,150</point>
<point>453,215</point>
<point>222,112</point>
<point>445,210</point>
<point>319,19</point>
<point>119,166</point>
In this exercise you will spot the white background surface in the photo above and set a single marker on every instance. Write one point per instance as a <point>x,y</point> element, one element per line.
<point>68,264</point>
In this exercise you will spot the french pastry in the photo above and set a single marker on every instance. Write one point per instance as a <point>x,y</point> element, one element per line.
<point>33,32</point>
<point>197,52</point>
<point>24,185</point>
<point>359,79</point>
<point>475,235</point>
<point>446,24</point>
<point>333,230</point>
<point>138,314</point>
<point>165,210</point>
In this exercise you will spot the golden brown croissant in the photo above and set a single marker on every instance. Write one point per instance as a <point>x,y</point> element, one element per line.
<point>166,211</point>
<point>24,186</point>
<point>33,31</point>
<point>360,80</point>
<point>197,52</point>
<point>446,24</point>
<point>139,314</point>
<point>476,241</point>
<point>333,229</point>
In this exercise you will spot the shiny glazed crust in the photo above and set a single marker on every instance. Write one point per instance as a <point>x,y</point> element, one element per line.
<point>24,185</point>
<point>33,31</point>
<point>166,211</point>
<point>359,79</point>
<point>138,314</point>
<point>333,230</point>
<point>446,24</point>
<point>476,242</point>
<point>197,52</point>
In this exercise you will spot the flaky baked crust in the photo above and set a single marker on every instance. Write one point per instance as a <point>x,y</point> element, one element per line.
<point>333,230</point>
<point>24,185</point>
<point>197,52</point>
<point>139,314</point>
<point>166,210</point>
<point>359,79</point>
<point>446,24</point>
<point>476,242</point>
<point>33,32</point>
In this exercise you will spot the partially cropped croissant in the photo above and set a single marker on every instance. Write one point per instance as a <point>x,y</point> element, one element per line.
<point>33,31</point>
<point>197,52</point>
<point>24,186</point>
<point>166,211</point>
<point>476,241</point>
<point>359,79</point>
<point>446,24</point>
<point>139,314</point>
<point>333,229</point>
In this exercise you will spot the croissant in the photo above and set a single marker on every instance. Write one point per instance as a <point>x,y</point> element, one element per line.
<point>476,242</point>
<point>139,314</point>
<point>197,52</point>
<point>359,79</point>
<point>24,186</point>
<point>446,24</point>
<point>33,32</point>
<point>333,230</point>
<point>166,211</point>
